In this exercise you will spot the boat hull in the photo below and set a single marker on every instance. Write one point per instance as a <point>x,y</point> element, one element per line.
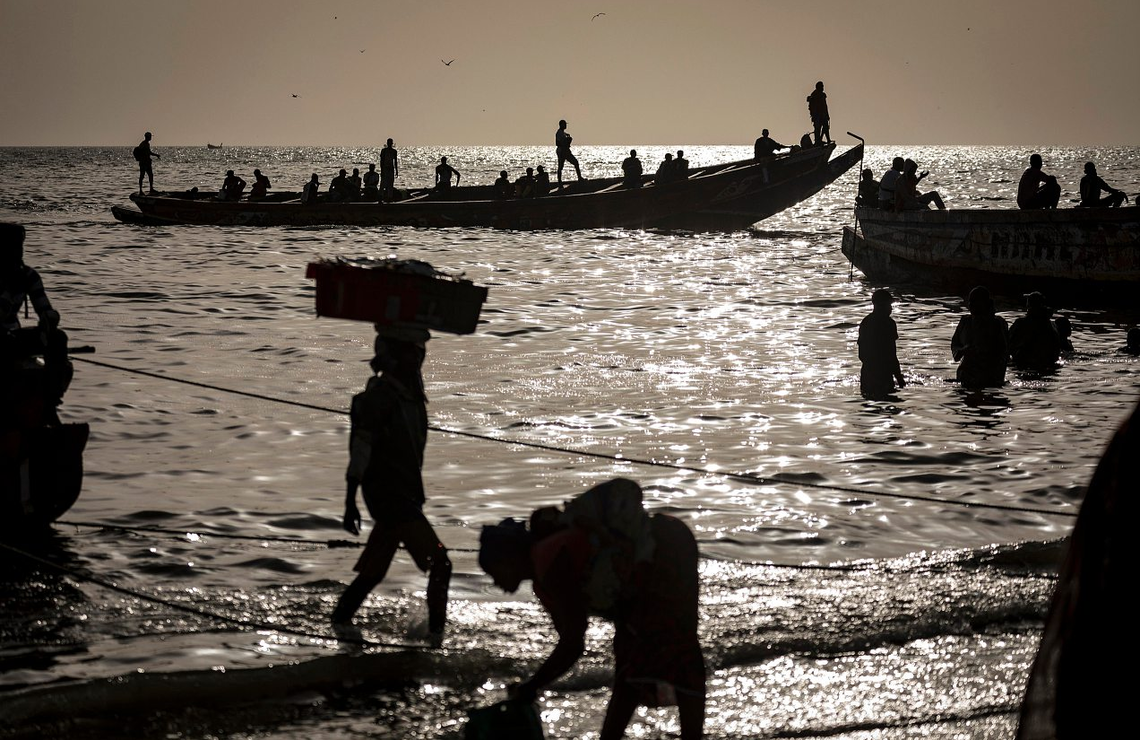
<point>41,475</point>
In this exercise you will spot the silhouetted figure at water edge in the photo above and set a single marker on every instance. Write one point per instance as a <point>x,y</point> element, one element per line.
<point>371,183</point>
<point>19,282</point>
<point>260,187</point>
<point>1091,188</point>
<point>1036,190</point>
<point>646,582</point>
<point>503,187</point>
<point>878,335</point>
<point>631,170</point>
<point>232,187</point>
<point>309,192</point>
<point>443,173</point>
<point>907,197</point>
<point>143,154</point>
<point>820,117</point>
<point>981,344</point>
<point>386,451</point>
<point>681,166</point>
<point>524,186</point>
<point>389,170</point>
<point>868,196</point>
<point>1034,343</point>
<point>889,182</point>
<point>541,181</point>
<point>765,146</point>
<point>562,141</point>
<point>664,173</point>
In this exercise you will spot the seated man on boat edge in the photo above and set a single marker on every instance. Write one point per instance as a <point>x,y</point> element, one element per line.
<point>907,197</point>
<point>631,170</point>
<point>1092,186</point>
<point>1036,190</point>
<point>889,182</point>
<point>765,146</point>
<point>868,196</point>
<point>503,187</point>
<point>261,186</point>
<point>371,184</point>
<point>232,187</point>
<point>309,192</point>
<point>443,173</point>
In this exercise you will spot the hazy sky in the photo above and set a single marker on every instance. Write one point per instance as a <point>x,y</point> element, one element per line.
<point>646,72</point>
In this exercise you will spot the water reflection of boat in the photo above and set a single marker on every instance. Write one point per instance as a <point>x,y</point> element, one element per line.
<point>1091,252</point>
<point>727,196</point>
<point>213,146</point>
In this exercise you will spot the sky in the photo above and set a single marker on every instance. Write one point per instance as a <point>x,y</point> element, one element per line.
<point>647,72</point>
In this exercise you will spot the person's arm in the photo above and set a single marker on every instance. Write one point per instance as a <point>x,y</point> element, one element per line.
<point>567,610</point>
<point>456,176</point>
<point>959,343</point>
<point>38,296</point>
<point>395,166</point>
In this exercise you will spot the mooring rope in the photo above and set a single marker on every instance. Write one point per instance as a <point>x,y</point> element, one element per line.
<point>744,477</point>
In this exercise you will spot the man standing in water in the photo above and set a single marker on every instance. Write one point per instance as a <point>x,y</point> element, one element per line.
<point>562,141</point>
<point>143,155</point>
<point>877,336</point>
<point>981,344</point>
<point>389,170</point>
<point>386,452</point>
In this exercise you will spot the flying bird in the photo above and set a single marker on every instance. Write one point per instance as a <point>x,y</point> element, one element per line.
<point>296,95</point>
<point>362,51</point>
<point>447,64</point>
<point>596,15</point>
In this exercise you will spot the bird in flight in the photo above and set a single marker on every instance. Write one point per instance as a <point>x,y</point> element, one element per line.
<point>296,95</point>
<point>596,15</point>
<point>362,51</point>
<point>447,64</point>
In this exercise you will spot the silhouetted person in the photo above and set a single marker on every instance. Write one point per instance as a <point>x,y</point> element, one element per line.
<point>1132,343</point>
<point>631,170</point>
<point>868,196</point>
<point>524,186</point>
<point>354,184</point>
<point>805,141</point>
<point>1091,188</point>
<point>665,171</point>
<point>681,166</point>
<point>143,154</point>
<point>981,343</point>
<point>907,197</point>
<point>1064,331</point>
<point>562,141</point>
<point>232,187</point>
<point>443,173</point>
<point>389,169</point>
<point>1036,190</point>
<point>1034,343</point>
<point>820,118</point>
<point>541,181</point>
<point>657,652</point>
<point>889,184</point>
<point>309,192</point>
<point>503,187</point>
<point>260,187</point>
<point>339,187</point>
<point>371,182</point>
<point>877,337</point>
<point>765,146</point>
<point>386,451</point>
<point>19,282</point>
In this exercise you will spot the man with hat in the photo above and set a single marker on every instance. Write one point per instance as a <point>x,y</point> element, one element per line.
<point>1034,343</point>
<point>877,336</point>
<point>386,451</point>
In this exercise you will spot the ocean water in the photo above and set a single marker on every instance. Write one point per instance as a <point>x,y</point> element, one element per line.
<point>871,570</point>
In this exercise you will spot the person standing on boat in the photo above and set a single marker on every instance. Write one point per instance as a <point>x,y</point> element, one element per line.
<point>386,451</point>
<point>631,170</point>
<point>260,187</point>
<point>889,183</point>
<point>878,334</point>
<point>143,154</point>
<point>1034,342</point>
<point>1037,191</point>
<point>443,173</point>
<point>1091,188</point>
<point>562,141</point>
<point>981,343</point>
<point>371,184</point>
<point>309,192</point>
<point>19,283</point>
<point>765,146</point>
<point>907,197</point>
<point>820,118</point>
<point>389,170</point>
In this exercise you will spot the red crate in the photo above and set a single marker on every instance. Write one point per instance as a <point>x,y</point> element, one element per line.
<point>396,292</point>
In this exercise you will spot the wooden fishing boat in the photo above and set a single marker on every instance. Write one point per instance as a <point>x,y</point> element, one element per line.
<point>213,146</point>
<point>1079,252</point>
<point>728,196</point>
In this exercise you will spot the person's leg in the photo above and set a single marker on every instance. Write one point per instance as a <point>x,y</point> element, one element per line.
<point>691,711</point>
<point>372,567</point>
<point>574,161</point>
<point>1115,200</point>
<point>142,173</point>
<point>623,703</point>
<point>1051,193</point>
<point>430,556</point>
<point>816,127</point>
<point>561,163</point>
<point>826,130</point>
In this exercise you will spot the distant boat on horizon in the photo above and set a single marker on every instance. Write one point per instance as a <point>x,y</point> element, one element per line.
<point>213,146</point>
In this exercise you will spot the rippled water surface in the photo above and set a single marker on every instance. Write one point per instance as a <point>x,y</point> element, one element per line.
<point>714,353</point>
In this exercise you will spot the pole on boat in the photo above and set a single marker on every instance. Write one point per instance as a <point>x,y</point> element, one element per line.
<point>855,230</point>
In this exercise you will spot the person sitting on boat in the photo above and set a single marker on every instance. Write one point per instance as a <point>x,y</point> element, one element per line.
<point>631,170</point>
<point>981,343</point>
<point>339,189</point>
<point>1036,190</point>
<point>524,186</point>
<point>1034,343</point>
<point>1092,186</point>
<point>443,173</point>
<point>354,185</point>
<point>562,141</point>
<point>232,187</point>
<point>541,181</point>
<point>868,196</point>
<point>372,184</point>
<point>309,192</point>
<point>20,283</point>
<point>878,334</point>
<point>889,182</point>
<point>260,187</point>
<point>681,166</point>
<point>665,173</point>
<point>820,118</point>
<point>503,187</point>
<point>907,197</point>
<point>765,146</point>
